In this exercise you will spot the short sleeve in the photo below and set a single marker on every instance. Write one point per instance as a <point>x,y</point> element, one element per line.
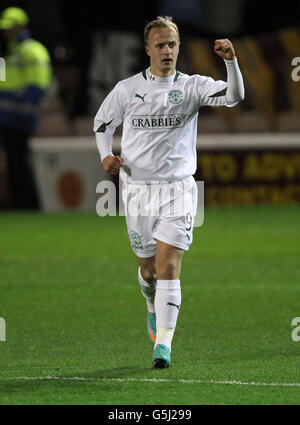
<point>211,92</point>
<point>111,112</point>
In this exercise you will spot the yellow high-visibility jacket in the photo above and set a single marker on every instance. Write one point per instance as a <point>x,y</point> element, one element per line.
<point>28,75</point>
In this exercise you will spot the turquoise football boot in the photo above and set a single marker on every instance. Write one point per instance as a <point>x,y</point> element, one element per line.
<point>161,357</point>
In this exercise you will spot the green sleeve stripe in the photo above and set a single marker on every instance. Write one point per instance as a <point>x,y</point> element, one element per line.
<point>102,128</point>
<point>220,93</point>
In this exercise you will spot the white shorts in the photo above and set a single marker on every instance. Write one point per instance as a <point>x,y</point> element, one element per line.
<point>162,211</point>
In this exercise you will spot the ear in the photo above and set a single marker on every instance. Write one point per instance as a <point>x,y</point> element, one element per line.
<point>147,50</point>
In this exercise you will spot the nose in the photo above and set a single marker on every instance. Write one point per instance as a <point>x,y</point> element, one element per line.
<point>166,50</point>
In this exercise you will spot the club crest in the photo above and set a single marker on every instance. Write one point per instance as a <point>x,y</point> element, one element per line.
<point>136,240</point>
<point>175,97</point>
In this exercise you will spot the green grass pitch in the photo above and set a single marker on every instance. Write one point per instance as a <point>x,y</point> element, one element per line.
<point>76,320</point>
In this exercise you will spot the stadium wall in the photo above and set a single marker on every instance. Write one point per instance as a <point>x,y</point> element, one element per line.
<point>240,169</point>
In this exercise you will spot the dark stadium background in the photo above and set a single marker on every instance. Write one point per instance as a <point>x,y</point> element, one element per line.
<point>60,23</point>
<point>95,44</point>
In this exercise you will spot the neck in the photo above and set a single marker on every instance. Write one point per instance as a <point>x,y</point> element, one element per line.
<point>162,74</point>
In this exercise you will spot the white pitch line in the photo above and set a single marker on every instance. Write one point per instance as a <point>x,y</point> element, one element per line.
<point>153,380</point>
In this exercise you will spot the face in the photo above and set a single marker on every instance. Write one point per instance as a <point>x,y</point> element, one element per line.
<point>11,33</point>
<point>163,49</point>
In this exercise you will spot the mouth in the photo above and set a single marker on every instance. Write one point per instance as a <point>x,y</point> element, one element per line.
<point>167,61</point>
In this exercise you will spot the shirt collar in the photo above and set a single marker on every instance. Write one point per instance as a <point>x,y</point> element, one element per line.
<point>160,80</point>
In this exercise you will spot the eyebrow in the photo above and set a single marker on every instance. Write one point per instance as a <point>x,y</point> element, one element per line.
<point>166,42</point>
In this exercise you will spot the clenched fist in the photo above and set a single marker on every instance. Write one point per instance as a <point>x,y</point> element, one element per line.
<point>224,48</point>
<point>112,164</point>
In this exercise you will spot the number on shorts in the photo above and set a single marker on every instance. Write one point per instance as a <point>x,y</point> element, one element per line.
<point>188,222</point>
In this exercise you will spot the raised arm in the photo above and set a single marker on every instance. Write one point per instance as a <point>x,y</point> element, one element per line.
<point>235,85</point>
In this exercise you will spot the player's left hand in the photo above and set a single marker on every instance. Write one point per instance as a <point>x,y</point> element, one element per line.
<point>224,48</point>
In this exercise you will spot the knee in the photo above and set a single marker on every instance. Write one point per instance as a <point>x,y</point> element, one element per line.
<point>168,270</point>
<point>149,273</point>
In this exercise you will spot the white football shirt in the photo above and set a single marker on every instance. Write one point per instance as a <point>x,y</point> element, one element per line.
<point>159,118</point>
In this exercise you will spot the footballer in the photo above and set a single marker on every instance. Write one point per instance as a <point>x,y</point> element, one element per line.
<point>159,110</point>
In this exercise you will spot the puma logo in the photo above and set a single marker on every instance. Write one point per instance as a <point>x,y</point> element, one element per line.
<point>141,97</point>
<point>174,305</point>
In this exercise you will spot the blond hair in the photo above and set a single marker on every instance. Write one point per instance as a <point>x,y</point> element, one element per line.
<point>160,22</point>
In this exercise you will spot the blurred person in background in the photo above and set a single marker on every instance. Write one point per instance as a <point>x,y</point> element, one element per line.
<point>28,76</point>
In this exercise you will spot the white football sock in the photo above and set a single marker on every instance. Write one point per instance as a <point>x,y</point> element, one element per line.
<point>148,290</point>
<point>164,336</point>
<point>167,306</point>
